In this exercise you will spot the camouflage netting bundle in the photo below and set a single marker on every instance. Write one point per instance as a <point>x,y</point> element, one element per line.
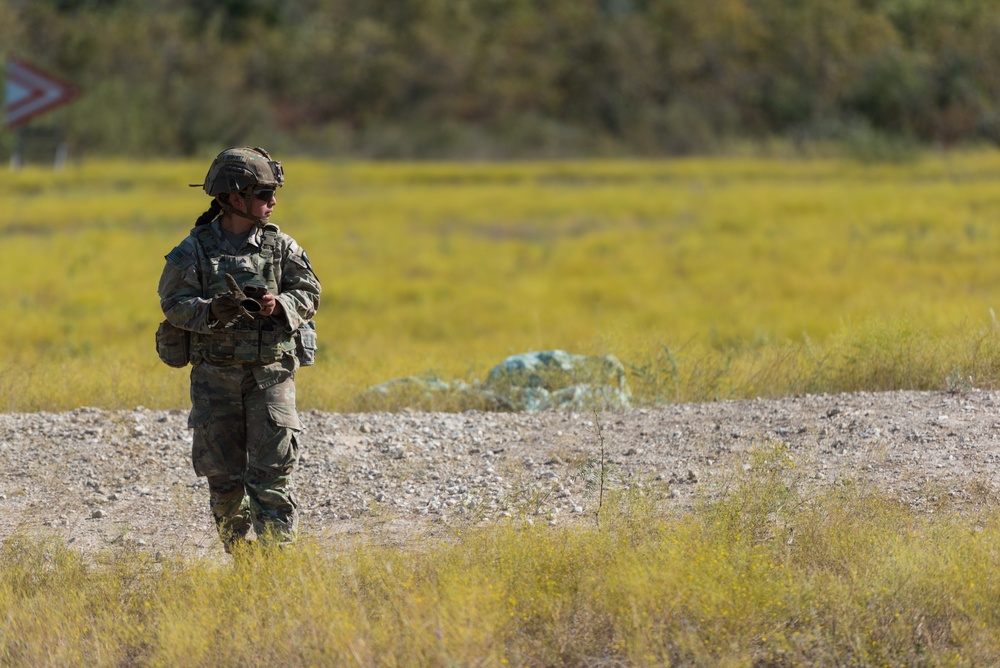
<point>557,379</point>
<point>536,381</point>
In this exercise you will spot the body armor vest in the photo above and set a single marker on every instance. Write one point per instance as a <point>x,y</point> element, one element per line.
<point>244,340</point>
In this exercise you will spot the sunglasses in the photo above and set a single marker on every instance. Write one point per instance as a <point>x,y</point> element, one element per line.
<point>264,195</point>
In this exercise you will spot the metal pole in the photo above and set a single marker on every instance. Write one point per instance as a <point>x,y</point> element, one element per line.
<point>62,149</point>
<point>17,157</point>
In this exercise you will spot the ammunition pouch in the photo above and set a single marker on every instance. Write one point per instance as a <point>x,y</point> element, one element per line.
<point>240,346</point>
<point>305,343</point>
<point>173,345</point>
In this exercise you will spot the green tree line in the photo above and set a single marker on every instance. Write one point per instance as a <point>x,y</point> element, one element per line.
<point>511,78</point>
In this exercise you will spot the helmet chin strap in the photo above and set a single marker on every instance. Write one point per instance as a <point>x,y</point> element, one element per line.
<point>248,199</point>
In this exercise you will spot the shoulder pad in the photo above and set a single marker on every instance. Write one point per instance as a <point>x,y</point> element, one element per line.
<point>203,236</point>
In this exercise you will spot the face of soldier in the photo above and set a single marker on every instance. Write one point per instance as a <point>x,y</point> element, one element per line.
<point>262,203</point>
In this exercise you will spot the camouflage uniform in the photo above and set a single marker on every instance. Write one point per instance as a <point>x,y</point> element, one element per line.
<point>243,381</point>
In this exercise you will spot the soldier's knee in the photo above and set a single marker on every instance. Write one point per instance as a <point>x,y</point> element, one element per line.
<point>224,485</point>
<point>268,477</point>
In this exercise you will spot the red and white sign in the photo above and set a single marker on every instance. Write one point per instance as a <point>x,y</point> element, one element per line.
<point>29,92</point>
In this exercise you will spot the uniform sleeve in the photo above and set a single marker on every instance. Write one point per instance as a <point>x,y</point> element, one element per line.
<point>300,288</point>
<point>180,289</point>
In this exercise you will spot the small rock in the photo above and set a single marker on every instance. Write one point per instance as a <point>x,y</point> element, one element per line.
<point>97,514</point>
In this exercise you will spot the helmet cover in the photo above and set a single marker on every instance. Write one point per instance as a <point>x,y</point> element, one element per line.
<point>240,169</point>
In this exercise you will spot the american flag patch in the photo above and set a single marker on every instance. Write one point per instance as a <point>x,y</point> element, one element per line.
<point>178,258</point>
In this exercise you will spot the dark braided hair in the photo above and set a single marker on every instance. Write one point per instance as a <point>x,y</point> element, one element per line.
<point>213,210</point>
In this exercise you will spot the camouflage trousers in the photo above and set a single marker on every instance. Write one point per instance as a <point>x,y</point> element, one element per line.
<point>245,425</point>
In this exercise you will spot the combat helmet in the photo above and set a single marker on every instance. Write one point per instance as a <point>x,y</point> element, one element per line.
<point>240,171</point>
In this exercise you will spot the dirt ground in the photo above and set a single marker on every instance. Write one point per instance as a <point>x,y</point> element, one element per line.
<point>102,480</point>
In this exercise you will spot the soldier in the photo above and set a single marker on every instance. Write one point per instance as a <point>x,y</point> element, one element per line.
<point>242,295</point>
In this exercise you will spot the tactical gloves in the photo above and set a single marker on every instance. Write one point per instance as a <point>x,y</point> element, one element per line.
<point>227,306</point>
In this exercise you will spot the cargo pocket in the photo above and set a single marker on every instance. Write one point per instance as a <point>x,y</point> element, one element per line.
<point>207,449</point>
<point>283,415</point>
<point>278,450</point>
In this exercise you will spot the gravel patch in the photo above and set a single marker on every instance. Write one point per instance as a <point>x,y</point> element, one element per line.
<point>101,479</point>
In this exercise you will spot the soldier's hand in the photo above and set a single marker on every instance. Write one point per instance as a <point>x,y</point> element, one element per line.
<point>234,288</point>
<point>269,305</point>
<point>225,308</point>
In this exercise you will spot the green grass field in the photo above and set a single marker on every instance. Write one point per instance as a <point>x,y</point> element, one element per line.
<point>716,278</point>
<point>708,278</point>
<point>863,581</point>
